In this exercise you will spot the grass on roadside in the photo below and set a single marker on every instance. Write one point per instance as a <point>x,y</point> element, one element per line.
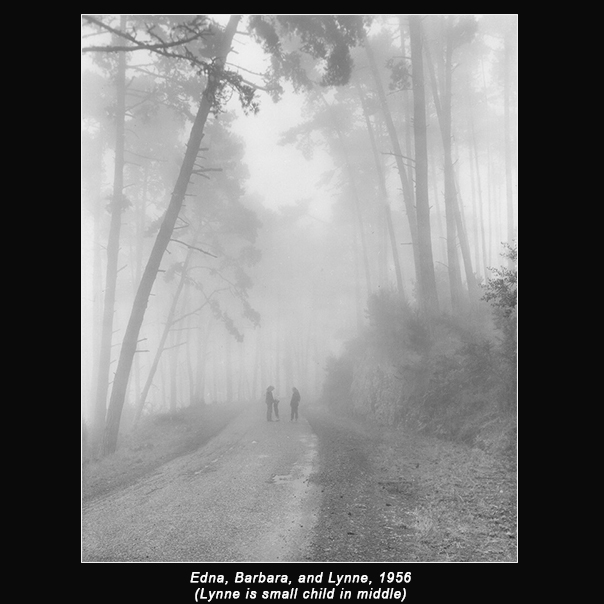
<point>157,440</point>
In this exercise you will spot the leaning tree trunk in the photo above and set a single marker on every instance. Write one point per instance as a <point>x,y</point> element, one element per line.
<point>426,277</point>
<point>170,321</point>
<point>113,245</point>
<point>122,374</point>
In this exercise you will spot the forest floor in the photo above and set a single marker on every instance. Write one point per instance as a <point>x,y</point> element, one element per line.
<point>386,496</point>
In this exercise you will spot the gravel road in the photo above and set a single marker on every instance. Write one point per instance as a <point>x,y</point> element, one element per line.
<point>244,496</point>
<point>328,488</point>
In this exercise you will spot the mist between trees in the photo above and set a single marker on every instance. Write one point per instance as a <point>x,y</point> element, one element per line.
<point>388,291</point>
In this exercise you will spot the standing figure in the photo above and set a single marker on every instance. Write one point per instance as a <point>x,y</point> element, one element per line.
<point>269,403</point>
<point>294,404</point>
<point>276,408</point>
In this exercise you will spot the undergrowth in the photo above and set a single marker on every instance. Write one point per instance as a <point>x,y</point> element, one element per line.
<point>455,377</point>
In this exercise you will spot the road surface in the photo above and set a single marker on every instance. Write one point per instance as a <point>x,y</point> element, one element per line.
<point>244,496</point>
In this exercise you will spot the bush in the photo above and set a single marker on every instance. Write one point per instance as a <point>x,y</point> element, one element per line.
<point>454,377</point>
<point>461,390</point>
<point>501,292</point>
<point>394,325</point>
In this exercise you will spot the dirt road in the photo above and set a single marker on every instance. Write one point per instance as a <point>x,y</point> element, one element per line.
<point>328,488</point>
<point>245,496</point>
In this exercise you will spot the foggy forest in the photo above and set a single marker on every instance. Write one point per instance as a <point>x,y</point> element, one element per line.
<point>322,201</point>
<point>303,199</point>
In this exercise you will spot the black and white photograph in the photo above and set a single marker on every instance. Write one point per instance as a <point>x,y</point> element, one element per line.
<point>299,318</point>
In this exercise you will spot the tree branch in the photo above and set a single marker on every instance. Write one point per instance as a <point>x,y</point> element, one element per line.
<point>398,155</point>
<point>192,247</point>
<point>159,48</point>
<point>162,45</point>
<point>189,313</point>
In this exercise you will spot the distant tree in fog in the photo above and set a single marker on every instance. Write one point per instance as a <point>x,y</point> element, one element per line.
<point>118,204</point>
<point>452,33</point>
<point>215,87</point>
<point>323,37</point>
<point>426,278</point>
<point>404,158</point>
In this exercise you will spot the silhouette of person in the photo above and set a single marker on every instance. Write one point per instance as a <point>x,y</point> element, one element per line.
<point>294,404</point>
<point>270,401</point>
<point>276,408</point>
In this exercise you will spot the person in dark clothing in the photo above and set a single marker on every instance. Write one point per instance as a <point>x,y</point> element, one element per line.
<point>294,404</point>
<point>270,401</point>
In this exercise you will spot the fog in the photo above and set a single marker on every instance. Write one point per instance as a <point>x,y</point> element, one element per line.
<point>283,234</point>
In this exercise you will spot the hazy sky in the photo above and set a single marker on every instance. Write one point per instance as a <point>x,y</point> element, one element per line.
<point>280,174</point>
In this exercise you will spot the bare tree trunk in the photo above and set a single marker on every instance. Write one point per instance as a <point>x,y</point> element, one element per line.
<point>162,342</point>
<point>98,410</point>
<point>439,229</point>
<point>480,217</point>
<point>384,194</point>
<point>242,377</point>
<point>508,144</point>
<point>137,255</point>
<point>357,281</point>
<point>215,390</point>
<point>465,247</point>
<point>355,195</point>
<point>364,252</point>
<point>263,372</point>
<point>475,187</point>
<point>176,337</point>
<point>141,299</point>
<point>190,375</point>
<point>113,246</point>
<point>201,380</point>
<point>278,353</point>
<point>426,277</point>
<point>398,156</point>
<point>442,102</point>
<point>489,178</point>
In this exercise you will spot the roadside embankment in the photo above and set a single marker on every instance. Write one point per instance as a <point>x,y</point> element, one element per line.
<point>393,496</point>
